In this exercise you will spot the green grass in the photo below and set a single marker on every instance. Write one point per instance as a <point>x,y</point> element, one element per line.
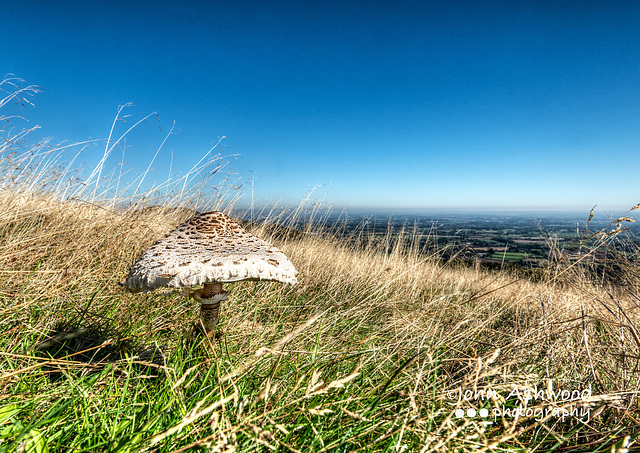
<point>507,257</point>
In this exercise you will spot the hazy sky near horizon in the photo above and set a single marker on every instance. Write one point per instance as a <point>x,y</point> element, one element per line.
<point>381,104</point>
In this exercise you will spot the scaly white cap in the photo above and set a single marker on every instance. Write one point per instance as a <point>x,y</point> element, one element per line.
<point>209,248</point>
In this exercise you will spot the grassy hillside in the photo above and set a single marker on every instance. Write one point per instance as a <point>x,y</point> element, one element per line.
<point>378,348</point>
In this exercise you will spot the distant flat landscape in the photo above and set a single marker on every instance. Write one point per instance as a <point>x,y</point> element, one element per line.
<point>518,238</point>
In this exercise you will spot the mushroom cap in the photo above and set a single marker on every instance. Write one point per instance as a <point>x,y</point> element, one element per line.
<point>209,248</point>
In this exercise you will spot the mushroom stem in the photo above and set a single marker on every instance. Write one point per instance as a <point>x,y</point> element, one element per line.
<point>211,289</point>
<point>210,297</point>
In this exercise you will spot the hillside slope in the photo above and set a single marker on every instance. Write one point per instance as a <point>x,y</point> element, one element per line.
<point>375,348</point>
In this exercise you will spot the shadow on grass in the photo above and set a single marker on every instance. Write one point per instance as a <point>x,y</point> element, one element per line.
<point>92,347</point>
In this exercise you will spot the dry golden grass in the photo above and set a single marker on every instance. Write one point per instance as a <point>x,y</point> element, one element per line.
<point>427,328</point>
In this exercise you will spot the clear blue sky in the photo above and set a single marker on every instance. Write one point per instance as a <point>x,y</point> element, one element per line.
<point>411,104</point>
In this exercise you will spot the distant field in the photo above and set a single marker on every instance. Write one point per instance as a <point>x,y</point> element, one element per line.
<point>509,256</point>
<point>528,237</point>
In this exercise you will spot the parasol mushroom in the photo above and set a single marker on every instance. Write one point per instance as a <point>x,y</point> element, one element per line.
<point>209,249</point>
